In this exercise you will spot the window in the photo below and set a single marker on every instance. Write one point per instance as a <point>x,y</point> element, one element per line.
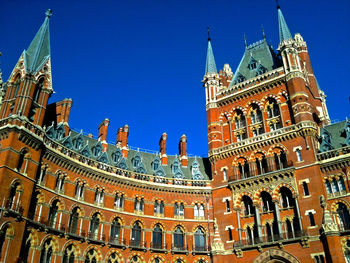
<point>60,183</point>
<point>343,217</point>
<point>136,235</point>
<point>347,251</point>
<point>78,143</point>
<point>113,258</point>
<point>46,251</point>
<point>53,213</point>
<point>73,221</point>
<point>115,231</point>
<point>20,164</point>
<point>224,173</point>
<point>15,196</point>
<point>179,239</point>
<point>229,231</point>
<point>247,207</point>
<point>94,226</point>
<point>311,218</point>
<point>97,149</point>
<point>305,189</point>
<point>299,157</point>
<point>119,201</point>
<point>99,196</point>
<point>69,254</point>
<point>139,204</point>
<point>17,85</point>
<point>266,202</point>
<point>79,190</point>
<point>156,164</point>
<point>196,210</point>
<point>227,202</point>
<point>179,209</point>
<point>335,186</point>
<point>157,237</point>
<point>91,256</point>
<point>319,259</point>
<point>158,207</point>
<point>199,238</point>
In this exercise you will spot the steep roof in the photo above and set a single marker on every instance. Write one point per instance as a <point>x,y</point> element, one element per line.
<point>258,58</point>
<point>38,51</point>
<point>339,134</point>
<point>282,27</point>
<point>147,159</point>
<point>210,66</point>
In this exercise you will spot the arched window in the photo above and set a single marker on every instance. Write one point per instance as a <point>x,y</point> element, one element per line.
<point>94,226</point>
<point>247,208</point>
<point>343,216</point>
<point>119,201</point>
<point>156,164</point>
<point>53,213</point>
<point>115,231</point>
<point>286,196</point>
<point>15,196</point>
<point>157,237</point>
<point>69,254</point>
<point>17,85</point>
<point>73,221</point>
<point>136,235</point>
<point>78,143</point>
<point>201,211</point>
<point>273,114</point>
<point>199,238</point>
<point>158,207</point>
<point>196,210</point>
<point>261,164</point>
<point>139,204</point>
<point>179,239</point>
<point>290,229</point>
<point>243,169</point>
<point>3,238</point>
<point>266,202</point>
<point>37,91</point>
<point>240,126</point>
<point>91,256</point>
<point>20,164</point>
<point>347,251</point>
<point>113,258</point>
<point>46,251</point>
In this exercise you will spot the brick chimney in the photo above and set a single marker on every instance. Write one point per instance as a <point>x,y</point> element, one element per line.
<point>122,139</point>
<point>162,149</point>
<point>102,133</point>
<point>183,150</point>
<point>62,112</point>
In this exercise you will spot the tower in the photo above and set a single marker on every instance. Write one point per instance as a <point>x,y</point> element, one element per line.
<point>22,112</point>
<point>263,124</point>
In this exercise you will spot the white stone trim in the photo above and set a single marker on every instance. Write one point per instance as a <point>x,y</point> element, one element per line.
<point>310,211</point>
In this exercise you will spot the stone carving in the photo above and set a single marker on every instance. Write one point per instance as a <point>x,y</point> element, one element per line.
<point>328,226</point>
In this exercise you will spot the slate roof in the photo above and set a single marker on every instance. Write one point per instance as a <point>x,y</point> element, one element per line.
<point>283,28</point>
<point>337,135</point>
<point>262,55</point>
<point>38,51</point>
<point>210,66</point>
<point>147,159</point>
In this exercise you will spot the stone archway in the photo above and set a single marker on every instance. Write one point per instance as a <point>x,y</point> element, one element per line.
<point>276,256</point>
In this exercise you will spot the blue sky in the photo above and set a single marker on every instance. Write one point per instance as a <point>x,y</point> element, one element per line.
<point>141,62</point>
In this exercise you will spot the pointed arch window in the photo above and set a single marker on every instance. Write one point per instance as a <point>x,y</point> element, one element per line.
<point>69,254</point>
<point>179,209</point>
<point>136,235</point>
<point>119,201</point>
<point>94,226</point>
<point>53,213</point>
<point>252,64</point>
<point>156,164</point>
<point>91,256</point>
<point>115,231</point>
<point>96,150</point>
<point>179,239</point>
<point>343,217</point>
<point>136,161</point>
<point>38,88</point>
<point>17,85</point>
<point>158,207</point>
<point>117,156</point>
<point>46,251</point>
<point>78,143</point>
<point>20,163</point>
<point>157,237</point>
<point>199,237</point>
<point>73,221</point>
<point>139,204</point>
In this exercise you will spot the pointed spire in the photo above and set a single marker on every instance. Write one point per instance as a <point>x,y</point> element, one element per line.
<point>283,28</point>
<point>210,66</point>
<point>245,41</point>
<point>263,32</point>
<point>38,51</point>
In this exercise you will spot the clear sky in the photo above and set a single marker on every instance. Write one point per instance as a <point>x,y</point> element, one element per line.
<point>141,62</point>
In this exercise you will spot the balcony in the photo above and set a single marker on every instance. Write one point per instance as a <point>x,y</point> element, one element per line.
<point>197,250</point>
<point>267,241</point>
<point>179,249</point>
<point>158,247</point>
<point>137,244</point>
<point>10,208</point>
<point>117,242</point>
<point>95,238</point>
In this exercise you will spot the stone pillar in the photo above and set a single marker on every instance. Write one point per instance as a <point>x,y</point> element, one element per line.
<point>258,221</point>
<point>278,217</point>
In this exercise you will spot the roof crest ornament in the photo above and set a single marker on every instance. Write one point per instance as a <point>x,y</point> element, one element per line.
<point>48,13</point>
<point>245,41</point>
<point>209,39</point>
<point>263,31</point>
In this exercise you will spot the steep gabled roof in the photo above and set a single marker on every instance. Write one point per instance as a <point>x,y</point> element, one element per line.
<point>210,66</point>
<point>38,51</point>
<point>282,26</point>
<point>264,58</point>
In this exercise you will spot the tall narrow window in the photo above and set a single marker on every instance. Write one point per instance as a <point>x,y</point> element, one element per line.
<point>20,163</point>
<point>199,237</point>
<point>230,237</point>
<point>179,239</point>
<point>68,255</point>
<point>136,235</point>
<point>311,218</point>
<point>224,173</point>
<point>46,251</point>
<point>94,226</point>
<point>73,221</point>
<point>299,157</point>
<point>53,213</point>
<point>115,231</point>
<point>306,189</point>
<point>157,237</point>
<point>227,202</point>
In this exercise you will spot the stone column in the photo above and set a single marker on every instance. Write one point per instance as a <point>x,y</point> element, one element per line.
<point>278,216</point>
<point>258,221</point>
<point>239,224</point>
<point>298,214</point>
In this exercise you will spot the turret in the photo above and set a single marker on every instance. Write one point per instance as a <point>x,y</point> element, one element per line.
<point>30,83</point>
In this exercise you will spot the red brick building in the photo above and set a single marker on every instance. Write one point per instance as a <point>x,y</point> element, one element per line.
<point>274,188</point>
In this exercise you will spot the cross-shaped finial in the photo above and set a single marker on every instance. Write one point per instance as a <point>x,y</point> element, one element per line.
<point>48,13</point>
<point>209,33</point>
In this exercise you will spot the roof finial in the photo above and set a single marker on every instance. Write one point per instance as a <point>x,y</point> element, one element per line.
<point>263,31</point>
<point>48,13</point>
<point>209,34</point>
<point>245,41</point>
<point>278,5</point>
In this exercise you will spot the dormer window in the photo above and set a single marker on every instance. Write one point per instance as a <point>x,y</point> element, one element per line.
<point>116,156</point>
<point>96,151</point>
<point>155,164</point>
<point>252,63</point>
<point>78,143</point>
<point>240,78</point>
<point>136,161</point>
